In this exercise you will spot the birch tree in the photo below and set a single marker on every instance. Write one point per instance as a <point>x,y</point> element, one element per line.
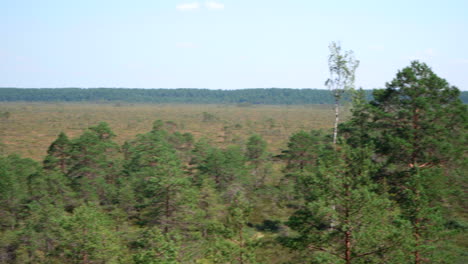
<point>342,66</point>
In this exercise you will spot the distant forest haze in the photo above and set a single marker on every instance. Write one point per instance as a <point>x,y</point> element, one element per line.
<point>267,96</point>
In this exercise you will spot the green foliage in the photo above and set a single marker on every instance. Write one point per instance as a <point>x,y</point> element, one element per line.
<point>14,195</point>
<point>419,127</point>
<point>422,116</point>
<point>342,66</point>
<point>14,190</point>
<point>94,165</point>
<point>88,235</point>
<point>153,247</point>
<point>302,150</point>
<point>389,191</point>
<point>161,186</point>
<point>244,97</point>
<point>224,167</point>
<point>233,241</point>
<point>256,148</point>
<point>343,217</point>
<point>59,154</point>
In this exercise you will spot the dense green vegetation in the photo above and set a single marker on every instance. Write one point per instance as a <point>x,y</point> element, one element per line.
<point>390,190</point>
<point>272,96</point>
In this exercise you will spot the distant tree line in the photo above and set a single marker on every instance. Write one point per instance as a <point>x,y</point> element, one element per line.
<point>270,96</point>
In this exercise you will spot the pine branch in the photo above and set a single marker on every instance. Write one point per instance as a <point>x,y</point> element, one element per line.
<point>325,250</point>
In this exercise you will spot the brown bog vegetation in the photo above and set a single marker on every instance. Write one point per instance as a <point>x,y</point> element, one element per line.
<point>29,128</point>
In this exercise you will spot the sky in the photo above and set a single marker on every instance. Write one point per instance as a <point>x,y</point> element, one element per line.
<point>225,44</point>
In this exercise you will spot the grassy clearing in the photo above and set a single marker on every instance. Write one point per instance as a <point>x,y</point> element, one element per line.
<point>29,128</point>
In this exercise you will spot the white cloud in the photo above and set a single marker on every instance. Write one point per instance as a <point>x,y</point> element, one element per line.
<point>214,5</point>
<point>188,6</point>
<point>185,45</point>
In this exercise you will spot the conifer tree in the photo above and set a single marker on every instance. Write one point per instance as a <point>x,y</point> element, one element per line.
<point>344,219</point>
<point>154,247</point>
<point>94,164</point>
<point>88,236</point>
<point>233,242</point>
<point>58,154</point>
<point>258,159</point>
<point>161,186</point>
<point>225,167</point>
<point>256,148</point>
<point>422,123</point>
<point>15,173</point>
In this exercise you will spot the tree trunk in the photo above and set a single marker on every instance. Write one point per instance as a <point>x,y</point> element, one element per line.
<point>417,237</point>
<point>85,253</point>
<point>335,127</point>
<point>167,212</point>
<point>85,258</point>
<point>241,255</point>
<point>347,256</point>
<point>348,247</point>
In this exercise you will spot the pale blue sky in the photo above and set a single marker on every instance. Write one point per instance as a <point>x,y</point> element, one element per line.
<point>225,44</point>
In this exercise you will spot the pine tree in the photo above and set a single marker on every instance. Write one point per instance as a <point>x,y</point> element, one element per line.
<point>233,242</point>
<point>154,247</point>
<point>256,148</point>
<point>15,173</point>
<point>301,157</point>
<point>88,236</point>
<point>225,167</point>
<point>94,164</point>
<point>258,159</point>
<point>344,219</point>
<point>359,131</point>
<point>421,123</point>
<point>302,150</point>
<point>58,154</point>
<point>161,186</point>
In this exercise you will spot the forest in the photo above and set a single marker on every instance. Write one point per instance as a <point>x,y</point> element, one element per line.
<point>390,188</point>
<point>268,96</point>
<point>271,96</point>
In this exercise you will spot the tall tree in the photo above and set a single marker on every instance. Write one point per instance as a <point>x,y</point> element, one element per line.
<point>422,125</point>
<point>94,163</point>
<point>162,188</point>
<point>344,219</point>
<point>58,154</point>
<point>342,67</point>
<point>257,156</point>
